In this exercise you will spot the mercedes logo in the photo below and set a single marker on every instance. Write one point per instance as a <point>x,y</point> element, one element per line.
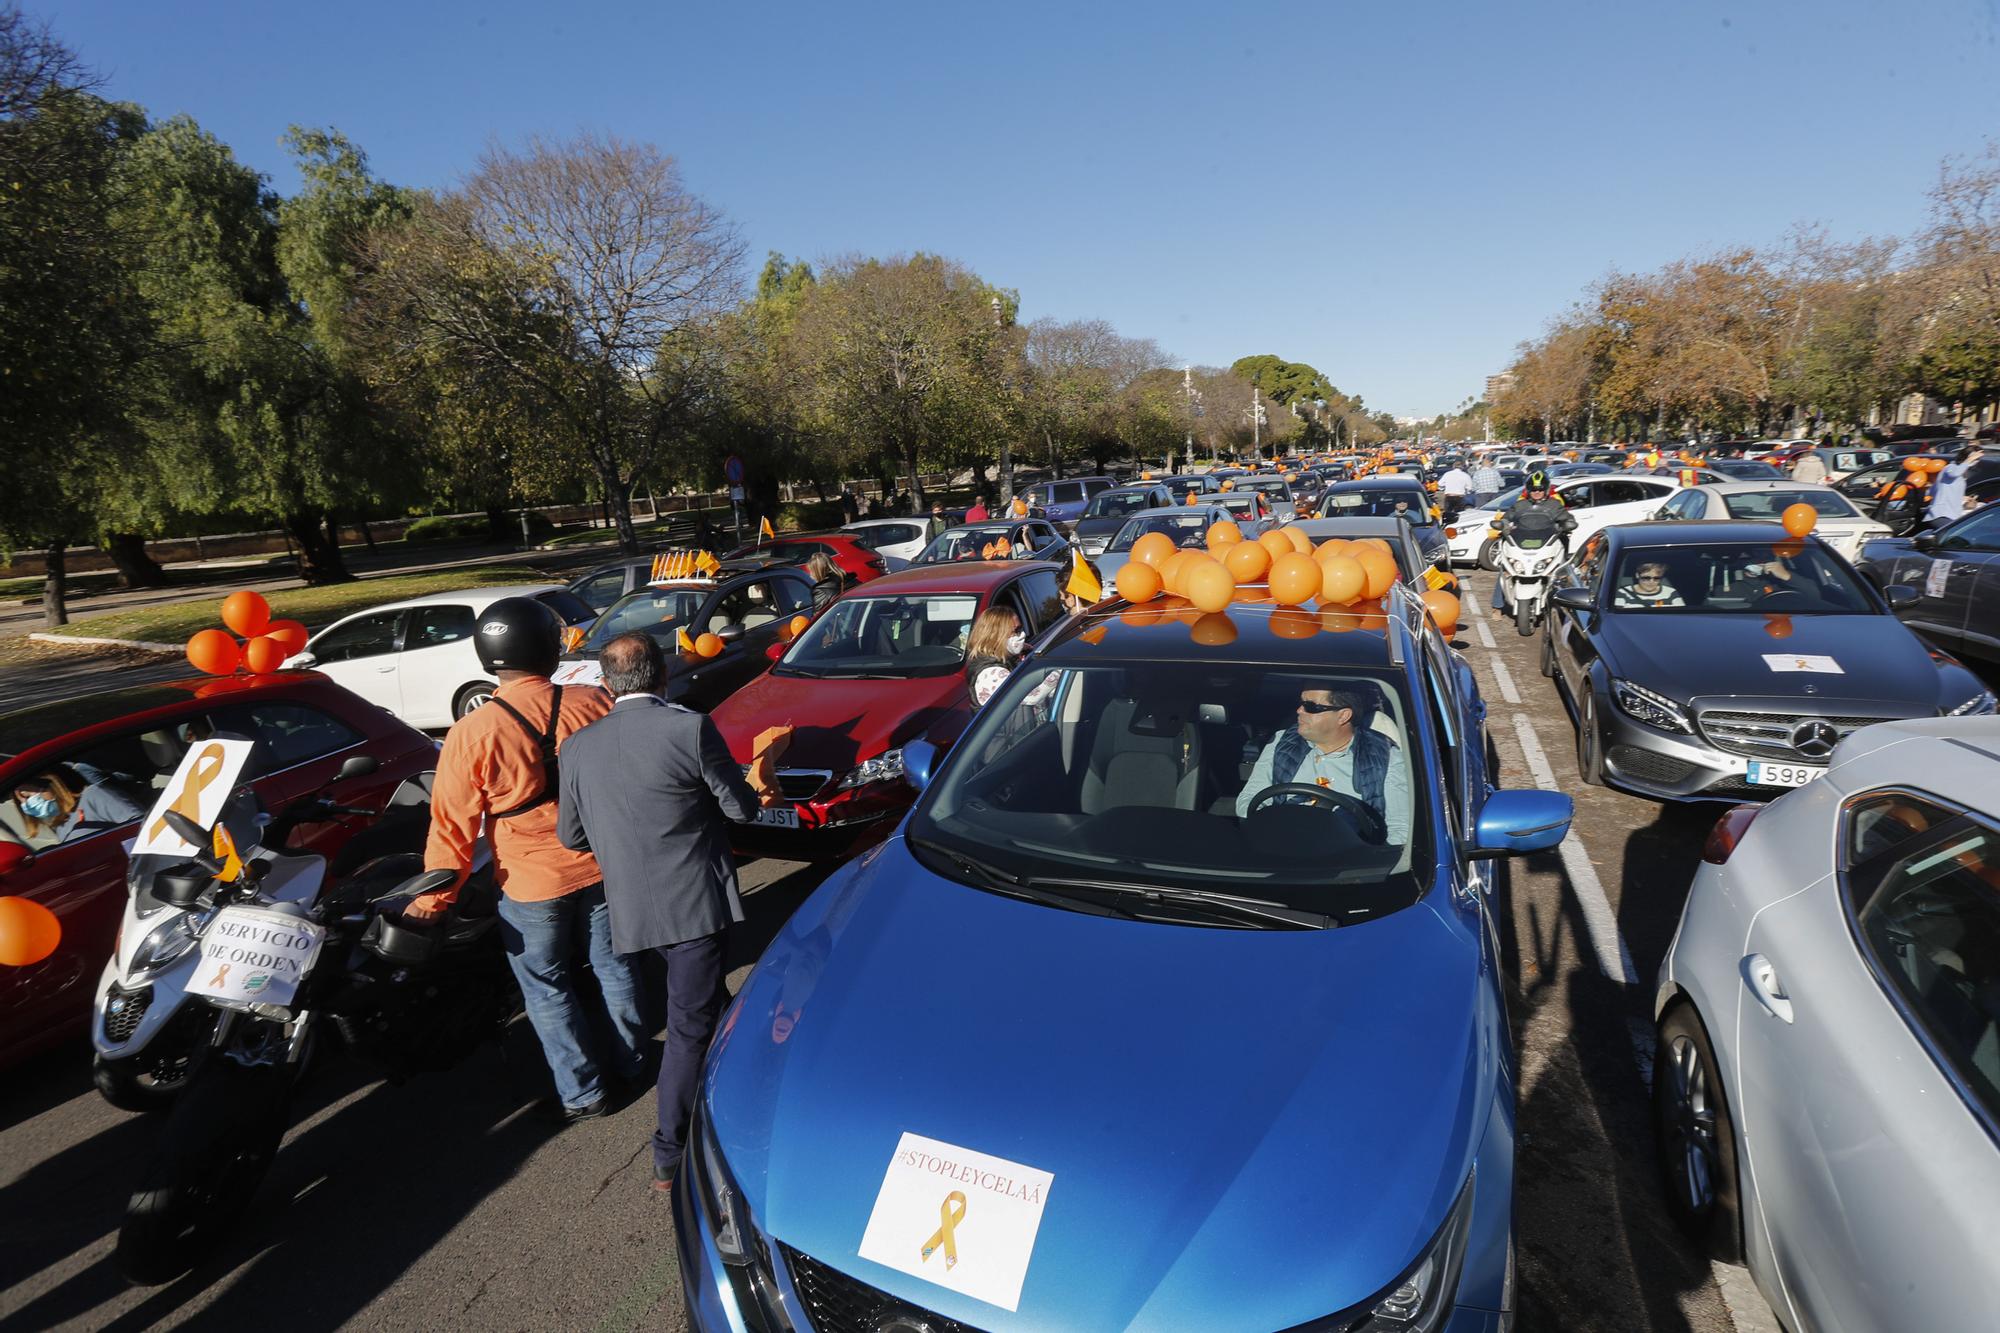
<point>1814,739</point>
<point>902,1323</point>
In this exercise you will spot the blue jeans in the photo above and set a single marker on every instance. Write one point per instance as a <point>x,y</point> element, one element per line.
<point>541,944</point>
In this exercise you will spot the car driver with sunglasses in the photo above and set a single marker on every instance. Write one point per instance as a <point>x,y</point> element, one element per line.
<point>1331,744</point>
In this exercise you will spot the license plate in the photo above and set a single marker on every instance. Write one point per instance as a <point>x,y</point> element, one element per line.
<point>1781,775</point>
<point>780,816</point>
<point>253,955</point>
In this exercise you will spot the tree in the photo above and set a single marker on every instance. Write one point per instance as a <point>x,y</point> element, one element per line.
<point>572,270</point>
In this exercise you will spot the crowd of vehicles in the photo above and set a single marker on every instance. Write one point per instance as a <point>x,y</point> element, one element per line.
<point>1118,825</point>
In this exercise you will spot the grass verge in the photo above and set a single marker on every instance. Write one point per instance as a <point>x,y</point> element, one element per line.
<point>315,606</point>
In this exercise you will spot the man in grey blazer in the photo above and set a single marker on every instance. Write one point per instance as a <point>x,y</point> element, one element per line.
<point>648,789</point>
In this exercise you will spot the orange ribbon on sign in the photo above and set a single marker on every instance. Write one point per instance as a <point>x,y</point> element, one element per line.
<point>188,803</point>
<point>947,1223</point>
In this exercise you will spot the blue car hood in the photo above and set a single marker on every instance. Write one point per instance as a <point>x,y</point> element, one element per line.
<point>1265,1125</point>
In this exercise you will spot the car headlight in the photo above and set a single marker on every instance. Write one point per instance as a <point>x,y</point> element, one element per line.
<point>1423,1299</point>
<point>1655,710</point>
<point>884,767</point>
<point>1978,705</point>
<point>166,942</point>
<point>731,1234</point>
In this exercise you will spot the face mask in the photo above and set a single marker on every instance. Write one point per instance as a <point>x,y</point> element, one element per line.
<point>41,808</point>
<point>1017,643</point>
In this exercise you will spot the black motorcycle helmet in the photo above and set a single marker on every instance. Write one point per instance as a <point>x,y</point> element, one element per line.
<point>518,634</point>
<point>1538,480</point>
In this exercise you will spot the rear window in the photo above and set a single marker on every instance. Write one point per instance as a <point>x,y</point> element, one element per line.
<point>888,534</point>
<point>1065,492</point>
<point>1770,506</point>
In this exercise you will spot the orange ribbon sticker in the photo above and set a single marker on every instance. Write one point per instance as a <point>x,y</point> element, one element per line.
<point>948,1221</point>
<point>207,768</point>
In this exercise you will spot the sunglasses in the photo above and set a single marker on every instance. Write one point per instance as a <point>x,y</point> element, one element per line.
<point>1311,707</point>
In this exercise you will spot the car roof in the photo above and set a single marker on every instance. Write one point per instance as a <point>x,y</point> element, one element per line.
<point>477,598</point>
<point>1007,521</point>
<point>1108,633</point>
<point>1759,484</point>
<point>1167,511</point>
<point>1954,757</point>
<point>962,576</point>
<point>1696,532</point>
<point>1132,486</point>
<point>880,522</point>
<point>1359,525</point>
<point>1376,482</point>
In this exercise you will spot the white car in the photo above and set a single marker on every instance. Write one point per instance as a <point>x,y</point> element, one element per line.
<point>1598,501</point>
<point>896,540</point>
<point>1826,1080</point>
<point>1840,524</point>
<point>416,657</point>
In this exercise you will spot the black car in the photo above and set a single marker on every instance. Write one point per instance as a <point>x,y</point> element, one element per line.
<point>1725,660</point>
<point>1956,572</point>
<point>1108,510</point>
<point>1024,539</point>
<point>745,609</point>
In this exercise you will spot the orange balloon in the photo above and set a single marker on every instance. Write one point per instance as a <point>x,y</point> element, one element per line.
<point>1153,549</point>
<point>1342,579</point>
<point>797,624</point>
<point>288,634</point>
<point>246,613</point>
<point>1913,464</point>
<point>1213,630</point>
<point>1224,533</point>
<point>1300,542</point>
<point>1292,623</point>
<point>1380,569</point>
<point>213,651</point>
<point>1137,582</point>
<point>1207,584</point>
<point>1247,561</point>
<point>264,653</point>
<point>1332,546</point>
<point>1174,570</point>
<point>1934,465</point>
<point>1443,608</point>
<point>1294,579</point>
<point>1799,519</point>
<point>1778,626</point>
<point>29,932</point>
<point>1381,544</point>
<point>1277,543</point>
<point>708,645</point>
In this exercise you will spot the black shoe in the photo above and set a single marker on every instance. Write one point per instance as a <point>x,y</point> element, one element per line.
<point>569,1115</point>
<point>663,1181</point>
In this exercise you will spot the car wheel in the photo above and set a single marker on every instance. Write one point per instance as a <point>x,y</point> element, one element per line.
<point>470,698</point>
<point>1549,649</point>
<point>1489,558</point>
<point>1589,749</point>
<point>1696,1137</point>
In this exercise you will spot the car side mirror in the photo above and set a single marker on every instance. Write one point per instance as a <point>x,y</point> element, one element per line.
<point>1516,822</point>
<point>775,651</point>
<point>14,856</point>
<point>1574,599</point>
<point>299,662</point>
<point>358,766</point>
<point>729,633</point>
<point>1900,595</point>
<point>1924,541</point>
<point>919,758</point>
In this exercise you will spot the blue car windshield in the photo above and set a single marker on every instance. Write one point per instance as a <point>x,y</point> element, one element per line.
<point>1287,787</point>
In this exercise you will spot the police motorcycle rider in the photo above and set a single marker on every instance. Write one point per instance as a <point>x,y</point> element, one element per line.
<point>497,777</point>
<point>1535,520</point>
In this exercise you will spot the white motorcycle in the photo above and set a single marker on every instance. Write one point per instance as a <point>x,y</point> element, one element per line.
<point>1531,549</point>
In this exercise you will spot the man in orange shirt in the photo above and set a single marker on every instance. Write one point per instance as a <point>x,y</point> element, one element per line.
<point>497,775</point>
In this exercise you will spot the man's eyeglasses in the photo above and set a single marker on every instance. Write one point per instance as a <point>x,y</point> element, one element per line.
<point>1311,707</point>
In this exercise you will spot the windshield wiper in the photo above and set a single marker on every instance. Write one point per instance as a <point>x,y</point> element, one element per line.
<point>996,880</point>
<point>1220,904</point>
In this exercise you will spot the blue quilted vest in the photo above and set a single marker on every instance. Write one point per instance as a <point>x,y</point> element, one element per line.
<point>1371,763</point>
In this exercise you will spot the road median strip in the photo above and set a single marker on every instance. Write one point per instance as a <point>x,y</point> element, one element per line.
<point>85,641</point>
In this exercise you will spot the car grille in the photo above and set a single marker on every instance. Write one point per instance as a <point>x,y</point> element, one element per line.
<point>1769,735</point>
<point>838,1303</point>
<point>123,1009</point>
<point>1640,765</point>
<point>800,784</point>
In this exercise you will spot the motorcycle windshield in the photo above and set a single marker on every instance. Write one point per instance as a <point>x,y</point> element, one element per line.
<point>1533,530</point>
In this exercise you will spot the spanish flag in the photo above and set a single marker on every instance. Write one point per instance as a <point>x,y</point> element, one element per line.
<point>764,529</point>
<point>1083,581</point>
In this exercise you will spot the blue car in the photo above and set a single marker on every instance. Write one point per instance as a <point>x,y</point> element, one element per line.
<point>1064,501</point>
<point>1175,1003</point>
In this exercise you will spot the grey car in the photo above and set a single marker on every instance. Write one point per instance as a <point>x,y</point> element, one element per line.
<point>1826,1074</point>
<point>1187,525</point>
<point>1706,660</point>
<point>1956,572</point>
<point>1108,510</point>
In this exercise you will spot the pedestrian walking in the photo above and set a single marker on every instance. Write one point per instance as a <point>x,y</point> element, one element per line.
<point>1486,483</point>
<point>850,508</point>
<point>1809,467</point>
<point>650,789</point>
<point>1455,485</point>
<point>497,775</point>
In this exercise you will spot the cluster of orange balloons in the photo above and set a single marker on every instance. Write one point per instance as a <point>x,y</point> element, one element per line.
<point>1928,467</point>
<point>1337,573</point>
<point>266,642</point>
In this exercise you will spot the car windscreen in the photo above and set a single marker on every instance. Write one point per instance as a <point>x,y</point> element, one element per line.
<point>1185,529</point>
<point>1371,503</point>
<point>886,637</point>
<point>1268,485</point>
<point>1113,504</point>
<point>1200,779</point>
<point>1779,577</point>
<point>1769,506</point>
<point>971,544</point>
<point>655,611</point>
<point>1746,469</point>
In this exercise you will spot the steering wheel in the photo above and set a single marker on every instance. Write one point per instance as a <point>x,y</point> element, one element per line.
<point>1373,827</point>
<point>1781,591</point>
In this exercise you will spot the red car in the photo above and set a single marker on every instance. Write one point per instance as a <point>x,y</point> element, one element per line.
<point>126,744</point>
<point>883,666</point>
<point>856,561</point>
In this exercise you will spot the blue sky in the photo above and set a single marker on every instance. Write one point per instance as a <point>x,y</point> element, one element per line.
<point>1396,193</point>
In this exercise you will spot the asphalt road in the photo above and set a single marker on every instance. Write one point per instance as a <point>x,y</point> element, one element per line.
<point>446,1203</point>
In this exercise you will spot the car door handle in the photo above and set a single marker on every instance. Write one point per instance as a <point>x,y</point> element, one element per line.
<point>1765,986</point>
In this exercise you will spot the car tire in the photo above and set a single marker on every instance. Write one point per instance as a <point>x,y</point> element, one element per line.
<point>1589,746</point>
<point>1489,556</point>
<point>1696,1136</point>
<point>470,698</point>
<point>1549,649</point>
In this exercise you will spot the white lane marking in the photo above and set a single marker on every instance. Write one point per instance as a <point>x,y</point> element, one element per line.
<point>1485,636</point>
<point>1613,958</point>
<point>1506,680</point>
<point>1473,605</point>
